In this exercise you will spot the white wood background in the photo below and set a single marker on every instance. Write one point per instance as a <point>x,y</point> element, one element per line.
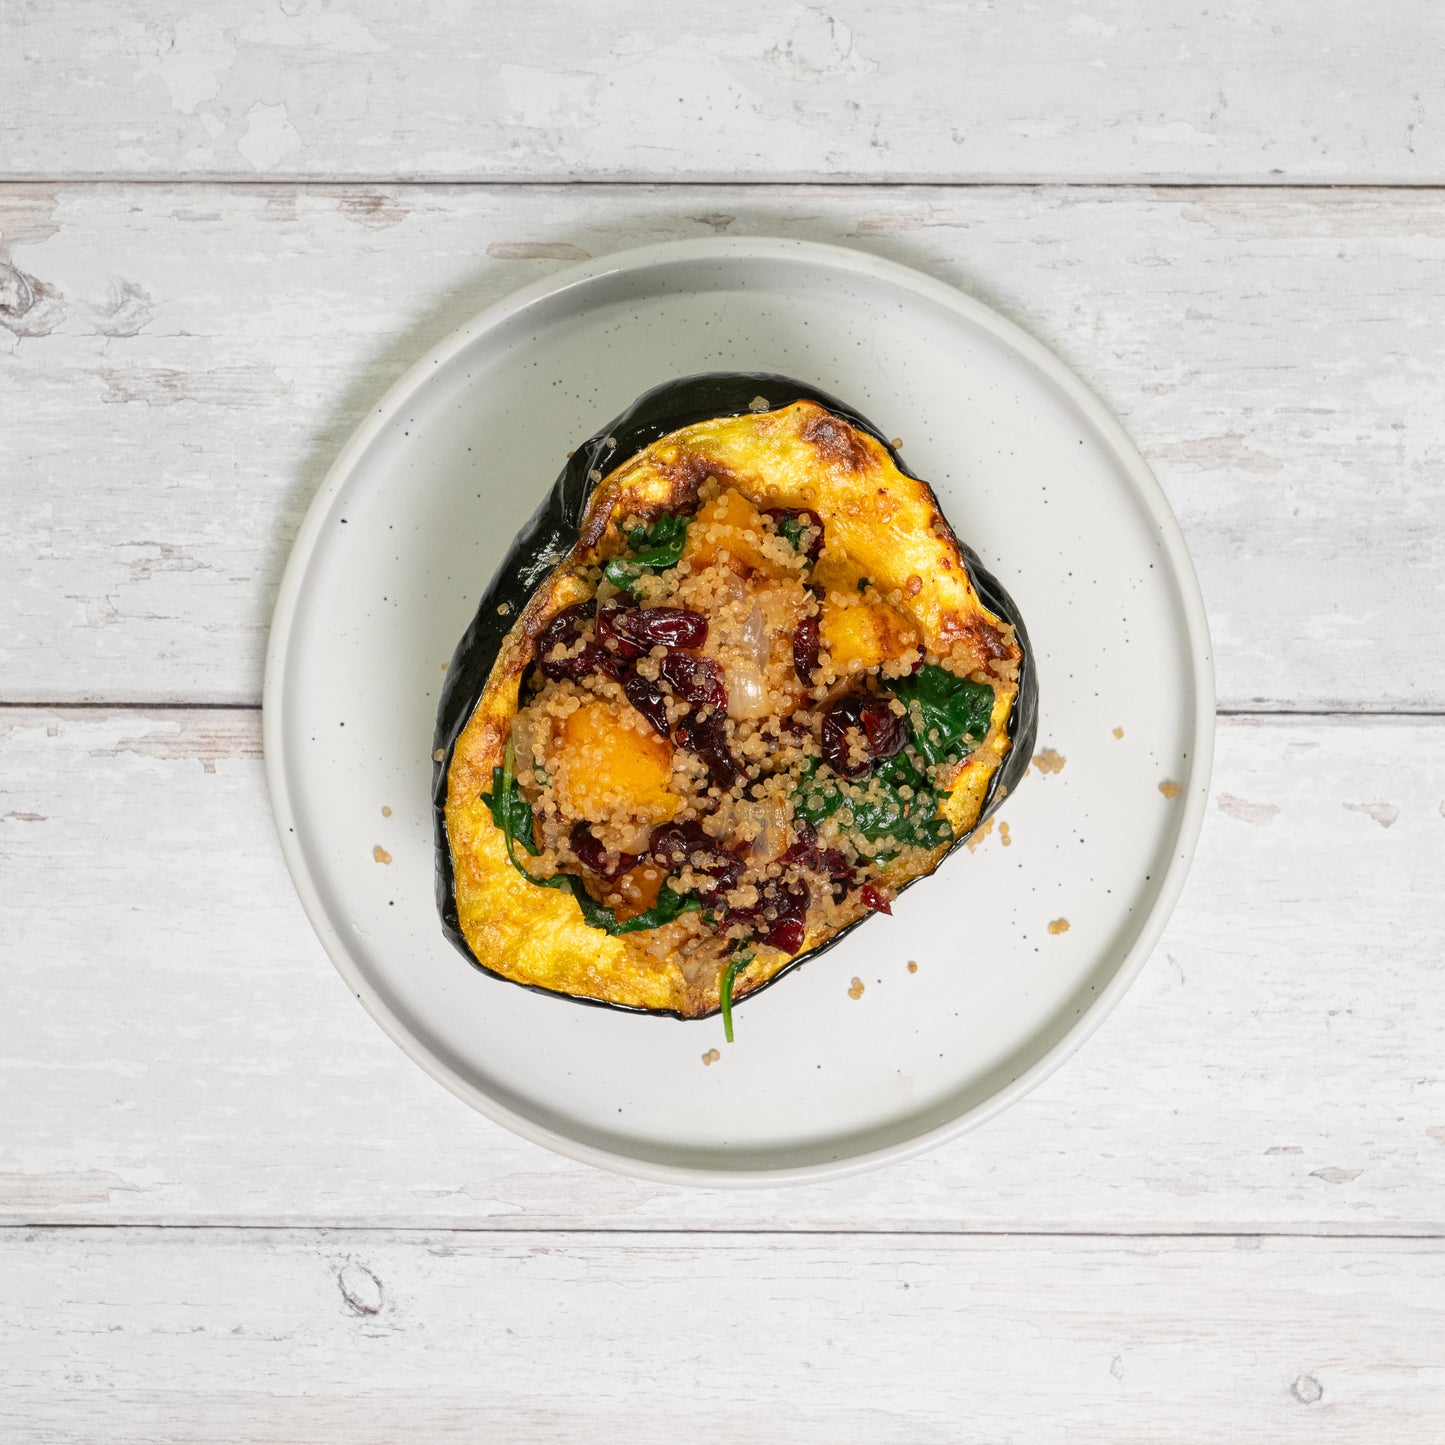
<point>230,1210</point>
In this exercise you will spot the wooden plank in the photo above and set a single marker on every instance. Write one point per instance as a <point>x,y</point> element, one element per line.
<point>184,362</point>
<point>853,91</point>
<point>278,1336</point>
<point>178,1049</point>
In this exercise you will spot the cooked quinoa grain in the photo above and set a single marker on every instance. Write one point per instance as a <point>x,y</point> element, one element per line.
<point>689,736</point>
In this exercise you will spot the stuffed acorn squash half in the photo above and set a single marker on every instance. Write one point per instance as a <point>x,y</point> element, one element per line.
<point>735,687</point>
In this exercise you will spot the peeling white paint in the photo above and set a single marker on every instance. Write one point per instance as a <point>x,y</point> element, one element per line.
<point>1087,25</point>
<point>270,137</point>
<point>326,29</point>
<point>1242,399</point>
<point>1383,813</point>
<point>1259,814</point>
<point>193,60</point>
<point>818,45</point>
<point>761,91</point>
<point>1176,133</point>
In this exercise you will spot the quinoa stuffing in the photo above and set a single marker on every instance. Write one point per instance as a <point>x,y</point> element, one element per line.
<point>733,738</point>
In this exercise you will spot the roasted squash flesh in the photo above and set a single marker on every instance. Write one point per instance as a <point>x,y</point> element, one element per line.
<point>757,696</point>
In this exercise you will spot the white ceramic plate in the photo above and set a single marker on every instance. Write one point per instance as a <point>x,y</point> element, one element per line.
<point>1033,472</point>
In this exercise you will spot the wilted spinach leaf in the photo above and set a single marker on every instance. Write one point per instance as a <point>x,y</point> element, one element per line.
<point>954,712</point>
<point>877,803</point>
<point>725,990</point>
<point>510,811</point>
<point>792,528</point>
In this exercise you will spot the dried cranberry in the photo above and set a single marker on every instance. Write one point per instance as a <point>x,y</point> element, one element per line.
<point>875,898</point>
<point>648,699</point>
<point>591,854</point>
<point>637,629</point>
<point>673,844</point>
<point>591,659</point>
<point>731,917</point>
<point>564,626</point>
<point>698,680</point>
<point>707,737</point>
<point>806,645</point>
<point>840,720</point>
<point>788,906</point>
<point>728,872</point>
<point>804,518</point>
<point>563,630</point>
<point>678,845</point>
<point>884,734</point>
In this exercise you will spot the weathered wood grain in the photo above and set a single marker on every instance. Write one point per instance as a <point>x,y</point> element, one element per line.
<point>176,1047</point>
<point>179,365</point>
<point>278,1336</point>
<point>852,90</point>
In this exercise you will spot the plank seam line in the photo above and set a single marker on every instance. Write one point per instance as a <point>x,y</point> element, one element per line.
<point>1264,713</point>
<point>127,705</point>
<point>292,182</point>
<point>1430,1234</point>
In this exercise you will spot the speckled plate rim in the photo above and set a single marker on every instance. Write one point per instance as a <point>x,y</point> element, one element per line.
<point>831,258</point>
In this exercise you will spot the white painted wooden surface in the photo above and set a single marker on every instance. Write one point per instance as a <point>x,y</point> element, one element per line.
<point>181,363</point>
<point>760,90</point>
<point>1222,1221</point>
<point>179,1046</point>
<point>282,1336</point>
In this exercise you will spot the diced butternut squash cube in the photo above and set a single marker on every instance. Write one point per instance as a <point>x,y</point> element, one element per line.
<point>730,523</point>
<point>858,635</point>
<point>604,768</point>
<point>636,891</point>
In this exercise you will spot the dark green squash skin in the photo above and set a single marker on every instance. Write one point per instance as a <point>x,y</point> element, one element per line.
<point>551,534</point>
